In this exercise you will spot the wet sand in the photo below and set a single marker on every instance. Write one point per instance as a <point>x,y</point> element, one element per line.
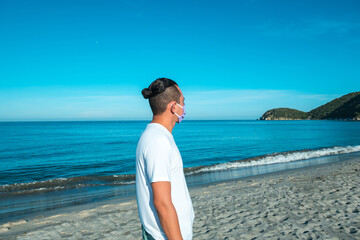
<point>321,202</point>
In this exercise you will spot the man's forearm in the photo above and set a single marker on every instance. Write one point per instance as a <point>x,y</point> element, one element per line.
<point>169,220</point>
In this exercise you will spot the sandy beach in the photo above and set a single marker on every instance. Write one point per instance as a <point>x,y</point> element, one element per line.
<point>321,202</point>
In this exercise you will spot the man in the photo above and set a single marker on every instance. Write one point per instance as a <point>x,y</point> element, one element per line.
<point>164,204</point>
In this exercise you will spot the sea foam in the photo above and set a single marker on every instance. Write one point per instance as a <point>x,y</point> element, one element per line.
<point>275,158</point>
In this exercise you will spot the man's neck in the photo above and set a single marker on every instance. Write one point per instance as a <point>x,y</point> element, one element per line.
<point>166,122</point>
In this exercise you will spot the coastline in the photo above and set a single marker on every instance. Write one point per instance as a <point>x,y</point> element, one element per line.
<point>317,201</point>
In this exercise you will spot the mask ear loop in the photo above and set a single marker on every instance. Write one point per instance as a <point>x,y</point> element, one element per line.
<point>173,111</point>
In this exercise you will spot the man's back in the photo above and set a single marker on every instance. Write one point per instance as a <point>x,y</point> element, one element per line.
<point>158,159</point>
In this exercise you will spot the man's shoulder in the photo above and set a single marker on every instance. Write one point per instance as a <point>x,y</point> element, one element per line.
<point>153,135</point>
<point>153,131</point>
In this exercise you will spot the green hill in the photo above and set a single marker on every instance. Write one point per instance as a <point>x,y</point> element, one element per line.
<point>345,107</point>
<point>283,114</point>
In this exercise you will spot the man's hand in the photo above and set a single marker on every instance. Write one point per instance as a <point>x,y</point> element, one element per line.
<point>166,210</point>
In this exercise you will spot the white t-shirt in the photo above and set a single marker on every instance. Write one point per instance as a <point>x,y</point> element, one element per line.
<point>158,159</point>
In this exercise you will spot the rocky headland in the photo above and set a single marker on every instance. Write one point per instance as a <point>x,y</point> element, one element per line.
<point>346,107</point>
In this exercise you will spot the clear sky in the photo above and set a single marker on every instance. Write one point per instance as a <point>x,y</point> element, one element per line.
<point>89,60</point>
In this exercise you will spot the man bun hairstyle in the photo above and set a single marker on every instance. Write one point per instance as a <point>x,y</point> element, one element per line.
<point>147,93</point>
<point>160,93</point>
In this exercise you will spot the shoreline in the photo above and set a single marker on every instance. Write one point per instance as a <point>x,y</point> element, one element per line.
<point>27,206</point>
<point>316,201</point>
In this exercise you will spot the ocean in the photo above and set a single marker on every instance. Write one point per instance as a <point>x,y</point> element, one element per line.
<point>48,166</point>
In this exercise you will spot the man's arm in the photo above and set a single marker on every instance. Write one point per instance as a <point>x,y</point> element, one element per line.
<point>166,210</point>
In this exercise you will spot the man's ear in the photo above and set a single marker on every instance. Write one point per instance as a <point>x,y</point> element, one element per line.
<point>171,106</point>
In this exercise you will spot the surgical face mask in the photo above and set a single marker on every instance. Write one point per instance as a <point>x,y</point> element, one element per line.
<point>181,117</point>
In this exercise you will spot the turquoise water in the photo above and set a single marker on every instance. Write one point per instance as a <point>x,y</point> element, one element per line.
<point>68,162</point>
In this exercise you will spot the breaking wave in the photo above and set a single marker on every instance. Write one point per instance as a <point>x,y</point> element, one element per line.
<point>282,157</point>
<point>67,183</point>
<point>126,179</point>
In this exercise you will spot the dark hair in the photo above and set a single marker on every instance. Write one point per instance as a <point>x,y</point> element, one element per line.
<point>160,93</point>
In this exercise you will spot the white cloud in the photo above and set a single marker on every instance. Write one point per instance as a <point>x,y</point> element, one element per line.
<point>215,104</point>
<point>248,103</point>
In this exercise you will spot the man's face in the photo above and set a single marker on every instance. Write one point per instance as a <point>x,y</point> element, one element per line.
<point>180,110</point>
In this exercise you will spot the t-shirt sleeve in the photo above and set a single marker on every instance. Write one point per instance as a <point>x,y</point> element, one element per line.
<point>158,160</point>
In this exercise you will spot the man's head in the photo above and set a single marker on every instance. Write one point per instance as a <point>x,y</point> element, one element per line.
<point>163,94</point>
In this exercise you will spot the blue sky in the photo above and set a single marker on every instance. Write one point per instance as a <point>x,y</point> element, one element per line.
<point>89,60</point>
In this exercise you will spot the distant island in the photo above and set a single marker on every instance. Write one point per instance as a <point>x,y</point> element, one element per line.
<point>346,107</point>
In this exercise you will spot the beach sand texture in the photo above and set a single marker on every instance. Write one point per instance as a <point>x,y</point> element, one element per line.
<point>321,202</point>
